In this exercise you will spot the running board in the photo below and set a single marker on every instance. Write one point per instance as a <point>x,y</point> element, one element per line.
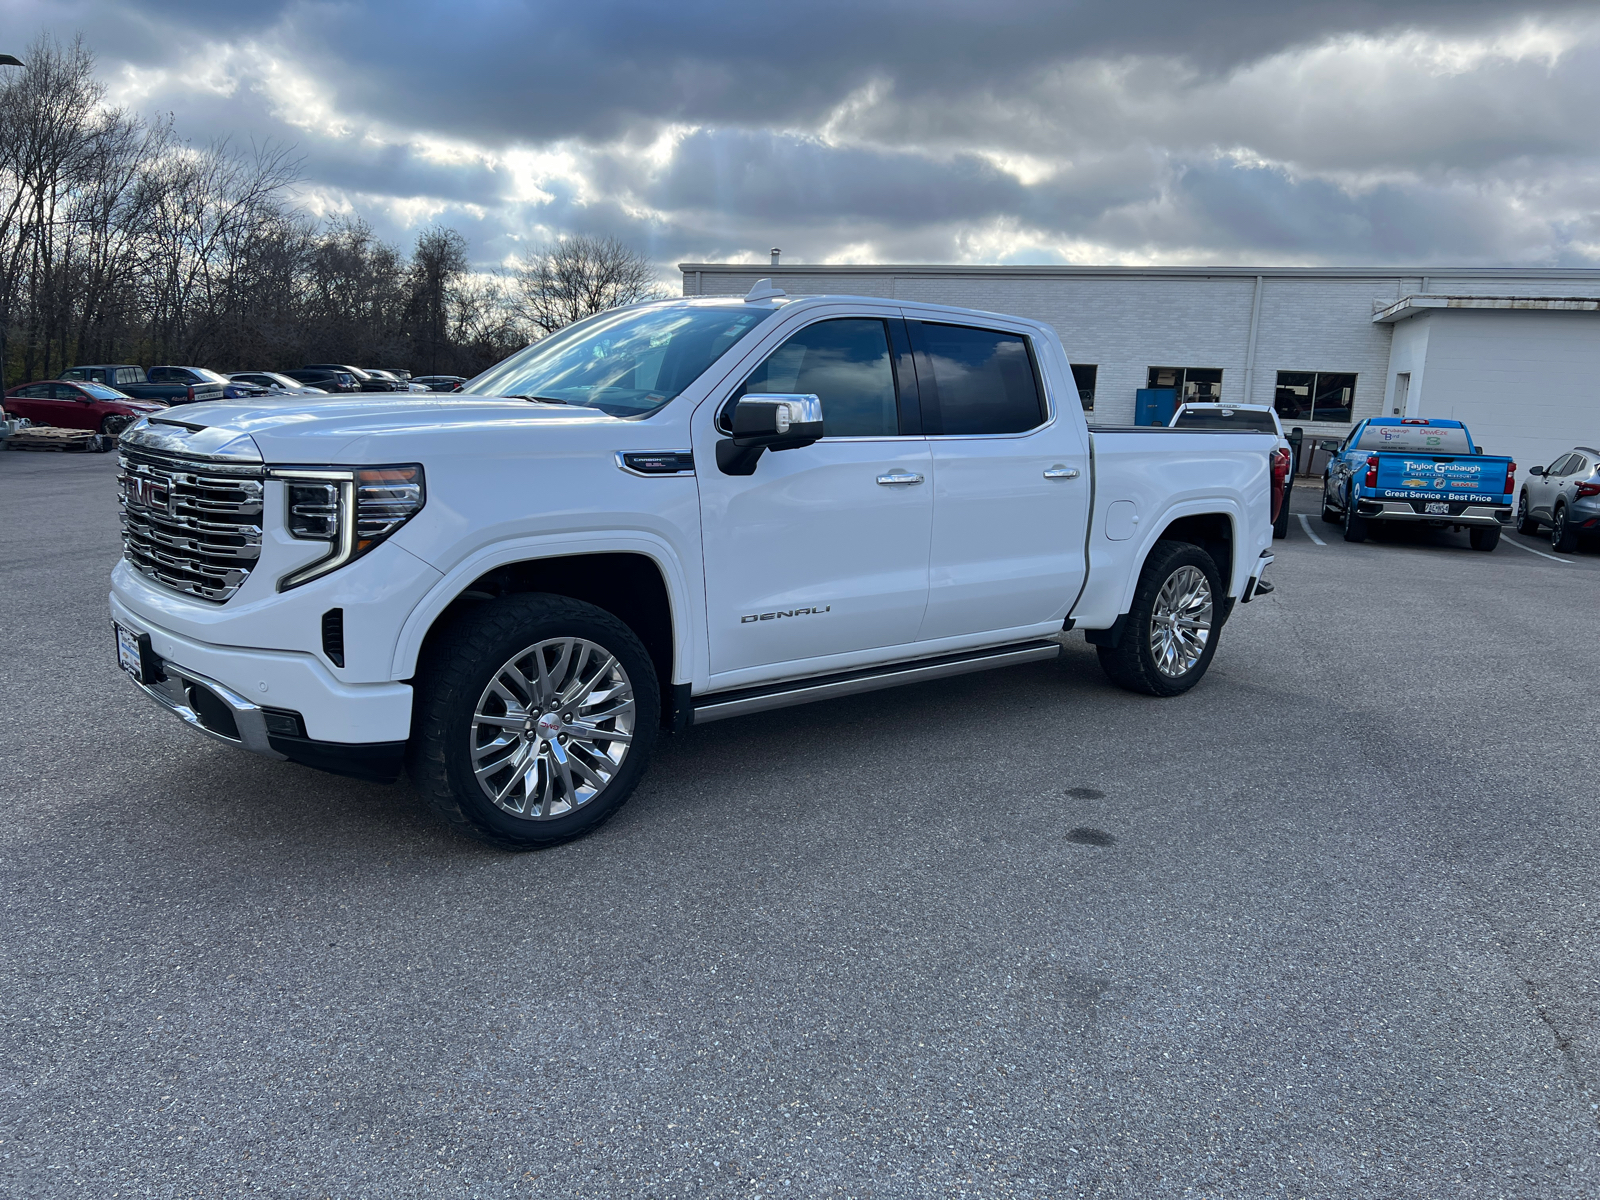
<point>720,705</point>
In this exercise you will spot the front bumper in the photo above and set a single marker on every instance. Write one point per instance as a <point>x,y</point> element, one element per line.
<point>1401,510</point>
<point>278,704</point>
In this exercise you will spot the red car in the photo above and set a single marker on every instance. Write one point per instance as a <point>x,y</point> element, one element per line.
<point>77,405</point>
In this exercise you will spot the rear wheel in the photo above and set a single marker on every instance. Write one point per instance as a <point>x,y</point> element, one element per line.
<point>1484,537</point>
<point>1562,539</point>
<point>1280,527</point>
<point>535,719</point>
<point>1170,634</point>
<point>1355,525</point>
<point>1526,525</point>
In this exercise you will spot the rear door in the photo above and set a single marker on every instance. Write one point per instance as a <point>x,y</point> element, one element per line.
<point>1011,483</point>
<point>35,402</point>
<point>823,551</point>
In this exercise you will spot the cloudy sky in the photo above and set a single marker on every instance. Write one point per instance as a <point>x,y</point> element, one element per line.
<point>1095,131</point>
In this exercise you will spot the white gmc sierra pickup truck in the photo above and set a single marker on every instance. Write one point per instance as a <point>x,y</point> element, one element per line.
<point>664,515</point>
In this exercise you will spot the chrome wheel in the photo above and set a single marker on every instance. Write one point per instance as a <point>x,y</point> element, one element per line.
<point>552,728</point>
<point>1180,622</point>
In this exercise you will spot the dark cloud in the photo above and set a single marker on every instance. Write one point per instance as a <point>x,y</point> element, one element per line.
<point>1241,130</point>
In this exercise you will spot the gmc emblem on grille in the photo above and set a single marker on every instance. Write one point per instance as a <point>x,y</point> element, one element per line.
<point>149,493</point>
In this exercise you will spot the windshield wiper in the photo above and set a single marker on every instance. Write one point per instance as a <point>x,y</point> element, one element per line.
<point>539,399</point>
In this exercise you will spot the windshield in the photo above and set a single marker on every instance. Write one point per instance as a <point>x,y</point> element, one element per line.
<point>1225,418</point>
<point>1442,439</point>
<point>101,392</point>
<point>627,362</point>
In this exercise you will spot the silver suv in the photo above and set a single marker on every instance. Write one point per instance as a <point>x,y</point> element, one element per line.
<point>1565,496</point>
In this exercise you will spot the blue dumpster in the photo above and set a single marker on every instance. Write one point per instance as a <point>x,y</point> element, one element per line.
<point>1154,406</point>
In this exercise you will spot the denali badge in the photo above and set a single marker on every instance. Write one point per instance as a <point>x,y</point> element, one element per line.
<point>793,612</point>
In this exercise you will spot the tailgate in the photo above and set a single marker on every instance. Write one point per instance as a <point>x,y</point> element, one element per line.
<point>1442,477</point>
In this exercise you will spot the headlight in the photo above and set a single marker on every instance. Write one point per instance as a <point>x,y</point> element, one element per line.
<point>352,509</point>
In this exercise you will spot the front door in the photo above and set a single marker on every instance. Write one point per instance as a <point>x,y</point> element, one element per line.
<point>1011,487</point>
<point>823,551</point>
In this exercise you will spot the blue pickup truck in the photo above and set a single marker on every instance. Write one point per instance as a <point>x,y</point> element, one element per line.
<point>1417,470</point>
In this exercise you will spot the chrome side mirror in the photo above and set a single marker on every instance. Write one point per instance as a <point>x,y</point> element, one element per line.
<point>768,421</point>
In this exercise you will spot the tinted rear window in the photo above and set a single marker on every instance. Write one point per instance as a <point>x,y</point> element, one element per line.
<point>1441,439</point>
<point>983,381</point>
<point>1225,418</point>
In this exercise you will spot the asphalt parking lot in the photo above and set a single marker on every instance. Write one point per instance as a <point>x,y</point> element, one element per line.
<point>1322,927</point>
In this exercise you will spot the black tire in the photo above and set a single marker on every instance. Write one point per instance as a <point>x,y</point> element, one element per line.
<point>1331,515</point>
<point>1562,539</point>
<point>114,424</point>
<point>1484,537</point>
<point>1526,525</point>
<point>1131,664</point>
<point>457,671</point>
<point>1355,525</point>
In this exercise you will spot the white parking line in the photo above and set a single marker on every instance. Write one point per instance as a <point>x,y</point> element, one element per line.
<point>1306,525</point>
<point>1505,541</point>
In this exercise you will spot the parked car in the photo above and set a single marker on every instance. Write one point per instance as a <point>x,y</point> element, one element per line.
<point>78,405</point>
<point>1414,470</point>
<point>737,508</point>
<point>170,385</point>
<point>400,384</point>
<point>275,384</point>
<point>1565,495</point>
<point>325,379</point>
<point>441,383</point>
<point>1259,417</point>
<point>365,380</point>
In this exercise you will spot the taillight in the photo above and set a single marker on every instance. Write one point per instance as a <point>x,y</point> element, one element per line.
<point>191,393</point>
<point>1372,472</point>
<point>1589,489</point>
<point>1511,478</point>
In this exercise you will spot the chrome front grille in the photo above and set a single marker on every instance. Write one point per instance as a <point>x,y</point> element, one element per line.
<point>190,525</point>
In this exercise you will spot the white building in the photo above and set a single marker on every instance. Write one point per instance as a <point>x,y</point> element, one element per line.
<point>1513,352</point>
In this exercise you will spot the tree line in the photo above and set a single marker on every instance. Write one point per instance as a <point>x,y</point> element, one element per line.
<point>121,242</point>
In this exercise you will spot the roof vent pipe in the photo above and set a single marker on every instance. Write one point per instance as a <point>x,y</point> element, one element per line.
<point>775,253</point>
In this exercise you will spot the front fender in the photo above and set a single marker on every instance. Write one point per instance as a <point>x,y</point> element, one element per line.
<point>683,590</point>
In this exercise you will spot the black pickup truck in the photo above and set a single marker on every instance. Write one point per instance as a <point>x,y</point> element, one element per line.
<point>174,385</point>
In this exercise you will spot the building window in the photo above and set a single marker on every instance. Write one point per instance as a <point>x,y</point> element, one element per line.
<point>1314,396</point>
<point>1195,385</point>
<point>1084,377</point>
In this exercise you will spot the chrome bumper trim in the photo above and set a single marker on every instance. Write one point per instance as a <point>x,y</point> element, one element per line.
<point>1401,510</point>
<point>171,695</point>
<point>1253,585</point>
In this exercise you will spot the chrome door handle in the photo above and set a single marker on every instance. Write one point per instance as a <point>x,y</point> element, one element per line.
<point>1061,473</point>
<point>899,477</point>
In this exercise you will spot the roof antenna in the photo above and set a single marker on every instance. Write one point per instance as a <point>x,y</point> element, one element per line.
<point>764,290</point>
<point>775,253</point>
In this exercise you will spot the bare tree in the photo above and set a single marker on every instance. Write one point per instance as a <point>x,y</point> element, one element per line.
<point>437,265</point>
<point>576,277</point>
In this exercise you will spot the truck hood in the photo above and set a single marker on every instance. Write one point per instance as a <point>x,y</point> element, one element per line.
<point>324,430</point>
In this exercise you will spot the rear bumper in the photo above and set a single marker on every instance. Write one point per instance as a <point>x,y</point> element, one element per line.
<point>1401,510</point>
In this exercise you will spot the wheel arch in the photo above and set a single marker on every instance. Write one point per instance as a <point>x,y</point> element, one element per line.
<point>639,582</point>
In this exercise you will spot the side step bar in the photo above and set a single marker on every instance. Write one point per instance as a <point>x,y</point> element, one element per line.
<point>718,706</point>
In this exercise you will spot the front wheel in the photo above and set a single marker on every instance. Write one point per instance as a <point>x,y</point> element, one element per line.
<point>1329,513</point>
<point>1171,631</point>
<point>535,718</point>
<point>1484,537</point>
<point>1526,525</point>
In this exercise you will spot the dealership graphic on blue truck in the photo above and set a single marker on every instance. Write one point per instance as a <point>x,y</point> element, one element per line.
<point>1417,470</point>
